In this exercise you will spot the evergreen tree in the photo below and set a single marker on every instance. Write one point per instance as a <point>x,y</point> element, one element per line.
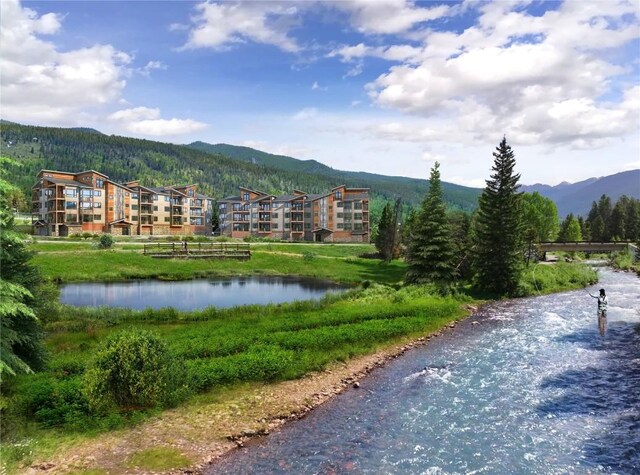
<point>386,228</point>
<point>430,247</point>
<point>498,249</point>
<point>617,226</point>
<point>20,332</point>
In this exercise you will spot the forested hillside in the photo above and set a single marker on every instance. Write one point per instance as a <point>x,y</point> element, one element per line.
<point>156,163</point>
<point>409,189</point>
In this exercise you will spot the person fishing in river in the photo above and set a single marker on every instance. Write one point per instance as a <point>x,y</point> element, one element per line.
<point>602,310</point>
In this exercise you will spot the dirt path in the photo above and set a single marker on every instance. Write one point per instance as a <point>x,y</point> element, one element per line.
<point>204,431</point>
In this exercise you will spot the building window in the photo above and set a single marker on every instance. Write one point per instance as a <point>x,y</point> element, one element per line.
<point>97,204</point>
<point>340,215</point>
<point>110,208</point>
<point>155,197</point>
<point>286,205</point>
<point>126,205</point>
<point>166,219</point>
<point>85,193</point>
<point>70,218</point>
<point>167,209</point>
<point>357,216</point>
<point>340,226</point>
<point>286,225</point>
<point>274,215</point>
<point>71,205</point>
<point>155,218</point>
<point>338,195</point>
<point>357,226</point>
<point>307,225</point>
<point>134,207</point>
<point>86,205</point>
<point>357,205</point>
<point>223,206</point>
<point>70,192</point>
<point>347,226</point>
<point>339,204</point>
<point>307,215</point>
<point>97,193</point>
<point>99,183</point>
<point>134,218</point>
<point>155,208</point>
<point>97,217</point>
<point>167,198</point>
<point>87,218</point>
<point>126,193</point>
<point>134,196</point>
<point>245,196</point>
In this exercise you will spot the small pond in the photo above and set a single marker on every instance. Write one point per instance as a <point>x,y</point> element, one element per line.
<point>195,294</point>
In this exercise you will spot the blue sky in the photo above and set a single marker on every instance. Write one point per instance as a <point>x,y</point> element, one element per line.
<point>386,86</point>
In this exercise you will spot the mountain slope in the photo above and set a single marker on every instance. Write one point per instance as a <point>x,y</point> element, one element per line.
<point>577,198</point>
<point>157,163</point>
<point>409,189</point>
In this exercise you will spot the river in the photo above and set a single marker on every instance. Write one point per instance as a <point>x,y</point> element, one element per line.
<point>527,386</point>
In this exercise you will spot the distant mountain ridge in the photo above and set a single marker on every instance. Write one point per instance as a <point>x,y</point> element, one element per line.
<point>577,197</point>
<point>457,196</point>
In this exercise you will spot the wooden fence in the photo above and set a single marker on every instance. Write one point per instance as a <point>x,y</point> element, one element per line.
<point>198,250</point>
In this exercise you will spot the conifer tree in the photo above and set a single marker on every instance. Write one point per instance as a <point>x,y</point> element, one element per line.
<point>385,228</point>
<point>430,248</point>
<point>498,259</point>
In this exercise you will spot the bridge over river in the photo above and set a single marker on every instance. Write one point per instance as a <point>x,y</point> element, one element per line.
<point>589,246</point>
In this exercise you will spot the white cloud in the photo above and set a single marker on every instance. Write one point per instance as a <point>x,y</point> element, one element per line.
<point>536,78</point>
<point>40,83</point>
<point>317,87</point>
<point>147,121</point>
<point>221,25</point>
<point>151,66</point>
<point>389,16</point>
<point>306,113</point>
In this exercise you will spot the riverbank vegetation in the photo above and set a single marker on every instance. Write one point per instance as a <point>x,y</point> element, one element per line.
<point>215,349</point>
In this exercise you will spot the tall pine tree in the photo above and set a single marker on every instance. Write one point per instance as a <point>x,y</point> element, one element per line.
<point>386,226</point>
<point>498,259</point>
<point>430,248</point>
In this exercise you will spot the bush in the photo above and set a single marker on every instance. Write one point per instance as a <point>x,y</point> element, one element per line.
<point>106,241</point>
<point>133,369</point>
<point>308,256</point>
<point>87,235</point>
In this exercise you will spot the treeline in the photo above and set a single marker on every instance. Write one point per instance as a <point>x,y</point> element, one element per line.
<point>605,222</point>
<point>157,163</point>
<point>492,247</point>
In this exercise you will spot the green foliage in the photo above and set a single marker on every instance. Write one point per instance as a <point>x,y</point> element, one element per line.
<point>133,369</point>
<point>20,332</point>
<point>159,459</point>
<point>217,175</point>
<point>498,258</point>
<point>429,252</point>
<point>543,279</point>
<point>540,216</point>
<point>570,230</point>
<point>620,222</point>
<point>387,240</point>
<point>106,241</point>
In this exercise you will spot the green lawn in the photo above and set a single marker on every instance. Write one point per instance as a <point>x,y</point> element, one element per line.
<point>95,265</point>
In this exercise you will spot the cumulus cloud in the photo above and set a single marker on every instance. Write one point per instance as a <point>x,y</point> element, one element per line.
<point>537,78</point>
<point>389,16</point>
<point>40,83</point>
<point>222,25</point>
<point>147,121</point>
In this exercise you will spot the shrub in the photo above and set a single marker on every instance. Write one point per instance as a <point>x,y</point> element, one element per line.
<point>132,369</point>
<point>308,256</point>
<point>106,241</point>
<point>87,235</point>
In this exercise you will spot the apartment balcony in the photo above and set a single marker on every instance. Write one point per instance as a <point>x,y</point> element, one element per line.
<point>264,217</point>
<point>176,211</point>
<point>146,199</point>
<point>176,222</point>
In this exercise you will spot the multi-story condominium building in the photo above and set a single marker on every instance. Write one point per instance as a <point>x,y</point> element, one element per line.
<point>341,215</point>
<point>69,203</point>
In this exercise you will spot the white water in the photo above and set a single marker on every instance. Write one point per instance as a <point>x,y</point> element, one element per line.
<point>532,388</point>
